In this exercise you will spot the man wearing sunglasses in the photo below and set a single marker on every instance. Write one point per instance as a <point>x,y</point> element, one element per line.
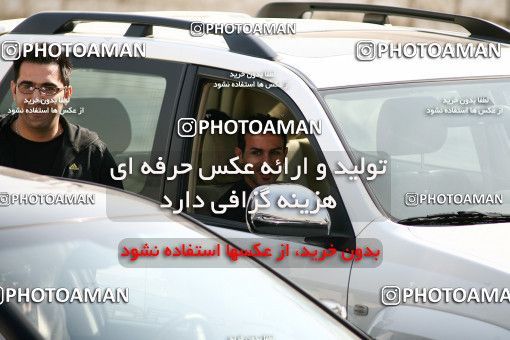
<point>38,138</point>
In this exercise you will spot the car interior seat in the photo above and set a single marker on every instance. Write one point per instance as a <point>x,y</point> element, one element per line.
<point>396,136</point>
<point>299,147</point>
<point>217,150</point>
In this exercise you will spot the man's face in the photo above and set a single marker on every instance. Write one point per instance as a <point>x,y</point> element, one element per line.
<point>259,149</point>
<point>38,75</point>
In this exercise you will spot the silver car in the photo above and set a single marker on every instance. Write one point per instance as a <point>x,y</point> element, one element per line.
<point>59,236</point>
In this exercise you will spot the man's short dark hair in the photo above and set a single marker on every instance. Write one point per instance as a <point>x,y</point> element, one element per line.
<point>61,60</point>
<point>263,118</point>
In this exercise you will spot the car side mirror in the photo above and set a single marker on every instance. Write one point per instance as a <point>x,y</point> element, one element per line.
<point>293,219</point>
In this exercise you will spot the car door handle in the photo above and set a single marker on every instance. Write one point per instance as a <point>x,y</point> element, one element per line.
<point>335,306</point>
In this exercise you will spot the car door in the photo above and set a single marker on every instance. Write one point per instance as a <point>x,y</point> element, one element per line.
<point>326,282</point>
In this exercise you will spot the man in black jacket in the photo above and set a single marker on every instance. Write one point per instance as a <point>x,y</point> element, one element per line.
<point>38,138</point>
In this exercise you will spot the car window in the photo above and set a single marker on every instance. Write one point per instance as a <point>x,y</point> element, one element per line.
<point>125,104</point>
<point>123,108</point>
<point>443,138</point>
<point>204,151</point>
<point>210,150</point>
<point>361,131</point>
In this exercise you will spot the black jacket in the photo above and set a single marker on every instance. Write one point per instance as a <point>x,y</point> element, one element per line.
<point>82,156</point>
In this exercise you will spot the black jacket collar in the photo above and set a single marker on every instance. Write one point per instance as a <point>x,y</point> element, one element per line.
<point>76,137</point>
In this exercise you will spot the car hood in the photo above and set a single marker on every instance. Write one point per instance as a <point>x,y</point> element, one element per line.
<point>484,243</point>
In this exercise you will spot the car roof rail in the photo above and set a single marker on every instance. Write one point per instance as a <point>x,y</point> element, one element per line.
<point>141,26</point>
<point>376,14</point>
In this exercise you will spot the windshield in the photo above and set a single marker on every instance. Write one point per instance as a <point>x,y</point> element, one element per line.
<point>447,143</point>
<point>163,303</point>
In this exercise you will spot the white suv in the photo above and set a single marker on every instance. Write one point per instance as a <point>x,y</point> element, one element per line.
<point>439,212</point>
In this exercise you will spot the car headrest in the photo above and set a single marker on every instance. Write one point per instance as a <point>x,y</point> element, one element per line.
<point>281,111</point>
<point>218,149</point>
<point>248,102</point>
<point>105,116</point>
<point>404,128</point>
<point>216,115</point>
